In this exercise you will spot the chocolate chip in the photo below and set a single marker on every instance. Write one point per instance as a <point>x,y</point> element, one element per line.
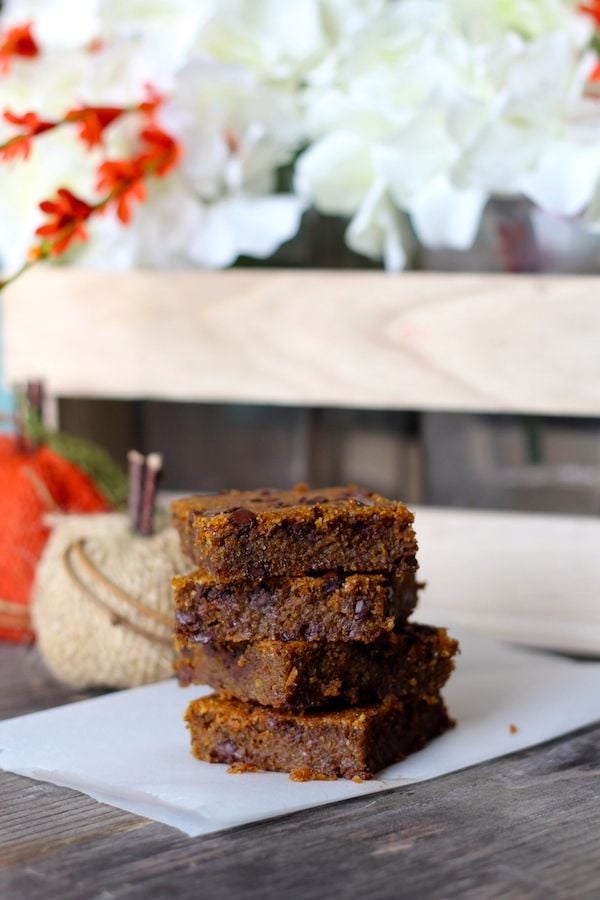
<point>298,530</point>
<point>185,616</point>
<point>312,501</point>
<point>256,572</point>
<point>200,638</point>
<point>312,631</point>
<point>260,597</point>
<point>242,518</point>
<point>184,675</point>
<point>332,581</point>
<point>359,609</point>
<point>228,752</point>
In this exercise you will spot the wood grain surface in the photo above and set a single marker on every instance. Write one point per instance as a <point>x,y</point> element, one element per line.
<point>524,577</point>
<point>525,826</point>
<point>426,341</point>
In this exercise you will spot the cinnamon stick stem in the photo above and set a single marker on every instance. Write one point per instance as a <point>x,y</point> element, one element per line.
<point>135,469</point>
<point>151,473</point>
<point>34,391</point>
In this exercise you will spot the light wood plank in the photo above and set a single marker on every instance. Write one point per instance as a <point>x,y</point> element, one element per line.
<point>355,339</point>
<point>529,578</point>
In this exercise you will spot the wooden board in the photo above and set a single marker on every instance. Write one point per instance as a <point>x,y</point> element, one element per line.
<point>493,343</point>
<point>525,826</point>
<point>529,578</point>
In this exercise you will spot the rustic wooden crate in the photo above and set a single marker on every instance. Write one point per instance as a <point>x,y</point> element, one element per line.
<point>355,340</point>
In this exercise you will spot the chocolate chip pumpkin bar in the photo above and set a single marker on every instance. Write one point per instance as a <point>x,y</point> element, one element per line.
<point>333,606</point>
<point>264,533</point>
<point>352,743</point>
<point>306,674</point>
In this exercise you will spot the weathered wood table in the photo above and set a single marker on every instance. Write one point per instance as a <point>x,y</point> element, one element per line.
<point>525,826</point>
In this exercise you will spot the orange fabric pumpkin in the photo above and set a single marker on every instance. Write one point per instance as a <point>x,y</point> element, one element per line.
<point>33,484</point>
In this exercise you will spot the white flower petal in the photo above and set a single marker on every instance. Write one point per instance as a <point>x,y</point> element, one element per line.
<point>379,230</point>
<point>565,179</point>
<point>335,173</point>
<point>415,155</point>
<point>235,131</point>
<point>496,160</point>
<point>260,225</point>
<point>592,214</point>
<point>213,243</point>
<point>446,216</point>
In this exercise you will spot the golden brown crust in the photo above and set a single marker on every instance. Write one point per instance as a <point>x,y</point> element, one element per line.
<point>258,534</point>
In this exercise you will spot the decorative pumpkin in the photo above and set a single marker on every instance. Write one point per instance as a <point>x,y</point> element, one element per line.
<point>33,483</point>
<point>103,605</point>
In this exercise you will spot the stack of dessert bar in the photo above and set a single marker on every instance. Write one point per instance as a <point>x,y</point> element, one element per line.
<point>297,618</point>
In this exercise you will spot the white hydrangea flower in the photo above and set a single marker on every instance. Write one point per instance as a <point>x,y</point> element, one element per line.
<point>541,135</point>
<point>57,24</point>
<point>382,115</point>
<point>437,106</point>
<point>282,41</point>
<point>488,20</point>
<point>164,29</point>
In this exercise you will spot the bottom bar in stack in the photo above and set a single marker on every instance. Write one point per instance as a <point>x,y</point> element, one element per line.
<point>352,743</point>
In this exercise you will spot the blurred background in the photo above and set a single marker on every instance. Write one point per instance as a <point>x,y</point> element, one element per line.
<point>432,136</point>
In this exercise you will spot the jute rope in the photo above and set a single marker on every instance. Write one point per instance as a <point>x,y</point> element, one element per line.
<point>115,617</point>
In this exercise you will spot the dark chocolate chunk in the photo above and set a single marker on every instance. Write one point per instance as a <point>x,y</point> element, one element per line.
<point>332,581</point>
<point>242,518</point>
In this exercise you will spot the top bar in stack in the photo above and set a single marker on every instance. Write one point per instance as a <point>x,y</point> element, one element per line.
<point>265,533</point>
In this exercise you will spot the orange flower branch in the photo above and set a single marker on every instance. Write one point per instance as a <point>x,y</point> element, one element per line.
<point>124,182</point>
<point>91,122</point>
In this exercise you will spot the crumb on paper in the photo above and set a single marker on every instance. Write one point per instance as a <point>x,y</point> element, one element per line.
<point>310,775</point>
<point>238,768</point>
<point>513,729</point>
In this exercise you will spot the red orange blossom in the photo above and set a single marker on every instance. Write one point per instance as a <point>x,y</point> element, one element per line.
<point>591,8</point>
<point>20,145</point>
<point>17,41</point>
<point>121,182</point>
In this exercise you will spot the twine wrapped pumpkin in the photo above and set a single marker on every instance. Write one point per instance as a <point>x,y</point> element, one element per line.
<point>102,604</point>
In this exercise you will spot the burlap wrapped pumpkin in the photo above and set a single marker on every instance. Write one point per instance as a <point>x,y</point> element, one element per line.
<point>102,603</point>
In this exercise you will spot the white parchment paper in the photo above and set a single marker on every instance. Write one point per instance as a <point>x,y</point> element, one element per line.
<point>131,749</point>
